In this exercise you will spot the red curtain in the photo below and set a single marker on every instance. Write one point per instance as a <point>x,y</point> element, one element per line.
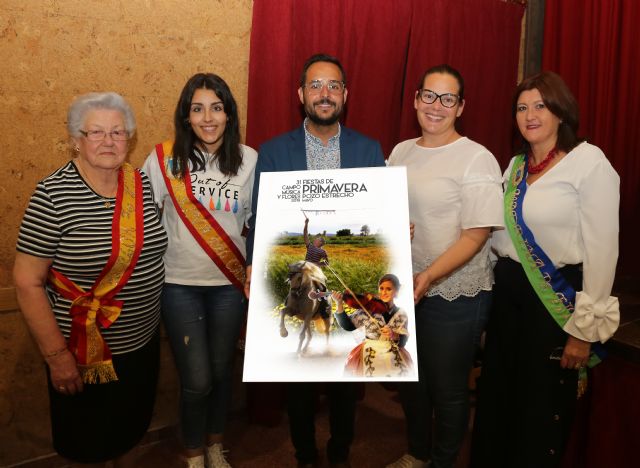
<point>594,46</point>
<point>385,46</point>
<point>605,431</point>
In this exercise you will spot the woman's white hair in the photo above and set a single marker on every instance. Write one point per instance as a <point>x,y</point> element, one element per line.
<point>91,101</point>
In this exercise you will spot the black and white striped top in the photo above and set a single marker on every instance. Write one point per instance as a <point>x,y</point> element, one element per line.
<point>69,222</point>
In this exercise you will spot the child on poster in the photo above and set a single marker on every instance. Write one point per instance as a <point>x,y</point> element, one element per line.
<point>382,351</point>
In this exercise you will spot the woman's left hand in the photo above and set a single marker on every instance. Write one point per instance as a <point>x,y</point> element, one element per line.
<point>576,353</point>
<point>421,283</point>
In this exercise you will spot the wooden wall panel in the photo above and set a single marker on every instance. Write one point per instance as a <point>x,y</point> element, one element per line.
<point>53,50</point>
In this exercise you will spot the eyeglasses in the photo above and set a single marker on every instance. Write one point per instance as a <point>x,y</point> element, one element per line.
<point>333,86</point>
<point>429,97</point>
<point>99,135</point>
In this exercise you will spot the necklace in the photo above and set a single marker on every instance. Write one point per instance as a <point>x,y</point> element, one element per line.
<point>537,168</point>
<point>84,175</point>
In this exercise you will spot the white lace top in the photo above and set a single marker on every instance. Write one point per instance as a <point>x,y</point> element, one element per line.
<point>451,188</point>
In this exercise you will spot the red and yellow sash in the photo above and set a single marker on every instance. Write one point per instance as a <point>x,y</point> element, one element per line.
<point>97,307</point>
<point>203,227</point>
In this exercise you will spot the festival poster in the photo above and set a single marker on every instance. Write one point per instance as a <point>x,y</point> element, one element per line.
<point>359,218</point>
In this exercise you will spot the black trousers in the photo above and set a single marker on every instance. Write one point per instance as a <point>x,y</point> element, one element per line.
<point>301,407</point>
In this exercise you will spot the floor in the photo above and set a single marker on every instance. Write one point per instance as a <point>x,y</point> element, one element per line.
<point>380,437</point>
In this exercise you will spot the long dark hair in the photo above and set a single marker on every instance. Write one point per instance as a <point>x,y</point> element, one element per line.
<point>558,98</point>
<point>185,148</point>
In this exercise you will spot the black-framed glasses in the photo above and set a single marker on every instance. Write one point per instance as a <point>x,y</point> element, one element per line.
<point>333,86</point>
<point>429,97</point>
<point>99,135</point>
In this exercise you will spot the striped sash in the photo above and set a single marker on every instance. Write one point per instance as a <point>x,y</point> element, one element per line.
<point>98,307</point>
<point>203,227</point>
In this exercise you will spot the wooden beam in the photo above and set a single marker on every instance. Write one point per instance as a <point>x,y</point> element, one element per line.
<point>534,33</point>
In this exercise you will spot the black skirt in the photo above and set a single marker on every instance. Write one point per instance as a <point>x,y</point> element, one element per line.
<point>526,401</point>
<point>107,420</point>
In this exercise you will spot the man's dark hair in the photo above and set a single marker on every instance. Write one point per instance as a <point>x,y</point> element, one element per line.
<point>321,58</point>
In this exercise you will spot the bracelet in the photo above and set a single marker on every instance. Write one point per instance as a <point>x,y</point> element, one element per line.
<point>55,353</point>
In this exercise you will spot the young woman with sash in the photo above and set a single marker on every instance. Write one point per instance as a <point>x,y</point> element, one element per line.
<point>88,276</point>
<point>552,303</point>
<point>455,199</point>
<point>203,183</point>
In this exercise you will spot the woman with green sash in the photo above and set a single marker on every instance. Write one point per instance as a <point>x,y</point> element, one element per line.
<point>556,265</point>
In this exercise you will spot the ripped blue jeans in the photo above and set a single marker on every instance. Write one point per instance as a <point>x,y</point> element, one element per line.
<point>203,324</point>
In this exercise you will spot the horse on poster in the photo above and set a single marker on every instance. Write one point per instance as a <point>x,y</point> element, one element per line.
<point>306,301</point>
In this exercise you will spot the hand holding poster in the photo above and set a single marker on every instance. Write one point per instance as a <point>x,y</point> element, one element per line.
<point>331,289</point>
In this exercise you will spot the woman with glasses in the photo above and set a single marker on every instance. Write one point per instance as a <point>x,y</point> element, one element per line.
<point>203,181</point>
<point>455,199</point>
<point>88,276</point>
<point>552,303</point>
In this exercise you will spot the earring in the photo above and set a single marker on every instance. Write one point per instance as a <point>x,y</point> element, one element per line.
<point>76,149</point>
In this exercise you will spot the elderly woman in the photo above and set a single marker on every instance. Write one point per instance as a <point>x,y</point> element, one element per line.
<point>554,275</point>
<point>88,276</point>
<point>203,181</point>
<point>455,200</point>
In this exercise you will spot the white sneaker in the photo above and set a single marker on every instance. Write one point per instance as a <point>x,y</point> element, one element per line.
<point>408,461</point>
<point>195,462</point>
<point>215,457</point>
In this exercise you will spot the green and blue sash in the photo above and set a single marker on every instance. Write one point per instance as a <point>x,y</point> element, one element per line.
<point>555,292</point>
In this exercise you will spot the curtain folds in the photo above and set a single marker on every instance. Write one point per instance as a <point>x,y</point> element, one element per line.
<point>593,45</point>
<point>385,46</point>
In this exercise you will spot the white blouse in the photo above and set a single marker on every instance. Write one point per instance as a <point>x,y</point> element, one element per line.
<point>572,211</point>
<point>451,188</point>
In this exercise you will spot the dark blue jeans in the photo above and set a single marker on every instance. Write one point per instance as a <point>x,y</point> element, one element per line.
<point>447,333</point>
<point>203,324</point>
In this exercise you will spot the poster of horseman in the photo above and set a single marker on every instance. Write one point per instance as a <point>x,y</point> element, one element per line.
<point>331,284</point>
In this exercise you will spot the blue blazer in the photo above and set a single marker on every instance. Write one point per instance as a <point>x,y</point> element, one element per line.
<point>288,152</point>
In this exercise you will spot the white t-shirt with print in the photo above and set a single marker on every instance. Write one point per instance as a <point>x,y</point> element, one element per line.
<point>228,200</point>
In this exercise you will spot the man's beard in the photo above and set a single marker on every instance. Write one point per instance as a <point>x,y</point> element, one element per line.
<point>316,119</point>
